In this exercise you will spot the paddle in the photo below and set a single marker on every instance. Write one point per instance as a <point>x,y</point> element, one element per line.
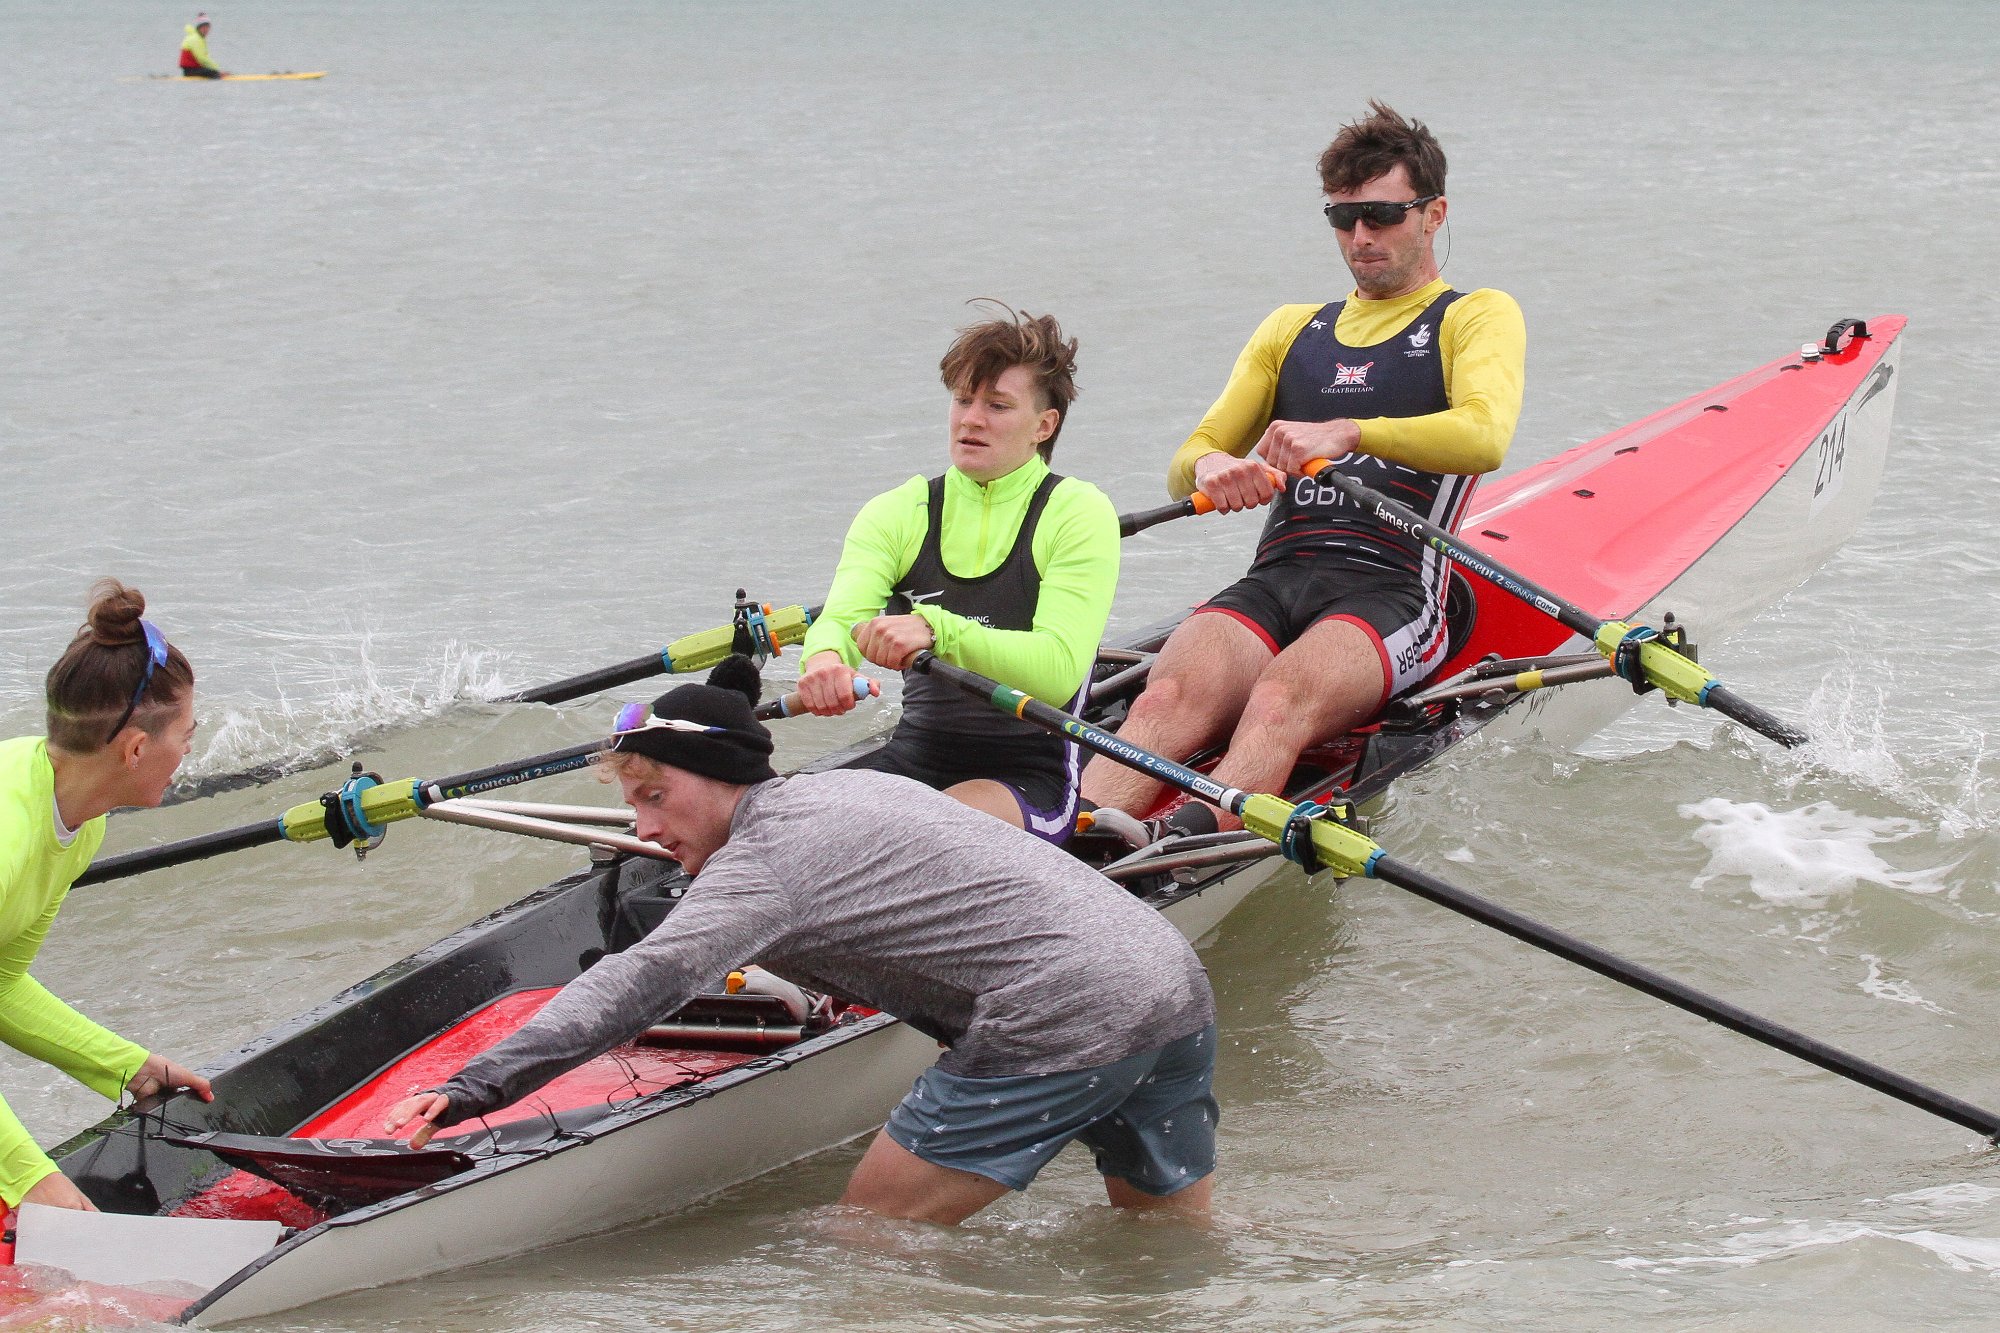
<point>356,813</point>
<point>1638,653</point>
<point>1321,843</point>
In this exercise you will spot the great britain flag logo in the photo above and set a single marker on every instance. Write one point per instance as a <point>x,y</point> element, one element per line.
<point>1352,374</point>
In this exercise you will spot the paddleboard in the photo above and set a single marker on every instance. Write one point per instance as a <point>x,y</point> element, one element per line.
<point>244,78</point>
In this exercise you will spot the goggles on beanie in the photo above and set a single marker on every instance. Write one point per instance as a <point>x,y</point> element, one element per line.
<point>636,716</point>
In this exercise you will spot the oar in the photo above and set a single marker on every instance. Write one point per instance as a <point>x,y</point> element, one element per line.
<point>356,813</point>
<point>1316,842</point>
<point>691,652</point>
<point>793,704</point>
<point>1637,651</point>
<point>787,625</point>
<point>1188,508</point>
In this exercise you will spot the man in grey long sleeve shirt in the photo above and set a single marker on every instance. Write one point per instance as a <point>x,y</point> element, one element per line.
<point>1070,1009</point>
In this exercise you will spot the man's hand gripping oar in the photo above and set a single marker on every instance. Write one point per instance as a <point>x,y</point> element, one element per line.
<point>1308,836</point>
<point>1637,652</point>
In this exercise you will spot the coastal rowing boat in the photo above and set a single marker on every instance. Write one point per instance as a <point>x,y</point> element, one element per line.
<point>247,78</point>
<point>1712,509</point>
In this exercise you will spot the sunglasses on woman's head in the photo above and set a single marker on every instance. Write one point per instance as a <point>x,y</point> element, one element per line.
<point>156,657</point>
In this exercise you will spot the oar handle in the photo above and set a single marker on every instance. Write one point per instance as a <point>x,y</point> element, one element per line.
<point>1197,503</point>
<point>794,703</point>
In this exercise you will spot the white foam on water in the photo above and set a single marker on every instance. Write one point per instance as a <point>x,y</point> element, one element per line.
<point>1848,720</point>
<point>360,699</point>
<point>1803,856</point>
<point>1966,1254</point>
<point>1883,987</point>
<point>1962,1197</point>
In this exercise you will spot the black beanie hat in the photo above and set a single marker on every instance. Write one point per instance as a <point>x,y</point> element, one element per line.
<point>739,752</point>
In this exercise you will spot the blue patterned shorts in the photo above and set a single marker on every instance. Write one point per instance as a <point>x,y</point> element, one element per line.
<point>1149,1119</point>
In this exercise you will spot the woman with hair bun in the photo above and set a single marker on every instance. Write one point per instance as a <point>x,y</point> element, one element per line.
<point>120,720</point>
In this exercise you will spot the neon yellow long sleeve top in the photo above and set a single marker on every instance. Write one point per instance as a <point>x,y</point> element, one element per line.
<point>36,871</point>
<point>196,45</point>
<point>1482,346</point>
<point>1075,550</point>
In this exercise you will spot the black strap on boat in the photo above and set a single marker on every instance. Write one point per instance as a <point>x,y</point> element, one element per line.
<point>1836,337</point>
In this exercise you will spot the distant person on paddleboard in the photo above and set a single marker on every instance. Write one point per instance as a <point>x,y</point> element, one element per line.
<point>120,720</point>
<point>1010,570</point>
<point>1073,1011</point>
<point>1413,386</point>
<point>195,63</point>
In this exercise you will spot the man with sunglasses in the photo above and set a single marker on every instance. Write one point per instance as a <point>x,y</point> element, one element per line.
<point>1413,386</point>
<point>1071,1010</point>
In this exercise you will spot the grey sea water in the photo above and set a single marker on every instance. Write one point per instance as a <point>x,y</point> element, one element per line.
<point>519,342</point>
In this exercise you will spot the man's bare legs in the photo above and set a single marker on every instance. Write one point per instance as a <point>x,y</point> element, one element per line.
<point>1199,684</point>
<point>895,1182</point>
<point>1215,677</point>
<point>1328,681</point>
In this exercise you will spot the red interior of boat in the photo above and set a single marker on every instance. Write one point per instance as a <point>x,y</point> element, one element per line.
<point>623,1073</point>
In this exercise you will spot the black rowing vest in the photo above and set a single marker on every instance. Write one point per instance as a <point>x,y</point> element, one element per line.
<point>1003,599</point>
<point>1323,379</point>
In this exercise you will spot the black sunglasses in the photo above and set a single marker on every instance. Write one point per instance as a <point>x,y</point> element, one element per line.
<point>1378,214</point>
<point>156,657</point>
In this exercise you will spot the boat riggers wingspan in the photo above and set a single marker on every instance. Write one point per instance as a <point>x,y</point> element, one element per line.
<point>1640,655</point>
<point>1348,852</point>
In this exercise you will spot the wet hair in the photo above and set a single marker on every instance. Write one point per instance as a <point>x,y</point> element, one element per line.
<point>90,685</point>
<point>983,352</point>
<point>1374,146</point>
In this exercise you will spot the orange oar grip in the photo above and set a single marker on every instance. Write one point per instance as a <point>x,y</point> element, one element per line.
<point>1312,468</point>
<point>1201,503</point>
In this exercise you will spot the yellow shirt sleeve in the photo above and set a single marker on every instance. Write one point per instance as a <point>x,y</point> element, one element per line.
<point>881,543</point>
<point>1483,345</point>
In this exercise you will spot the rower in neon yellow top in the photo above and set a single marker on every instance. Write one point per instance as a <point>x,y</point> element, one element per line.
<point>195,62</point>
<point>1010,569</point>
<point>121,719</point>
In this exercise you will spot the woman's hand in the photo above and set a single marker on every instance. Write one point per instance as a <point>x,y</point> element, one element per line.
<point>826,685</point>
<point>891,641</point>
<point>422,1107</point>
<point>159,1076</point>
<point>58,1191</point>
